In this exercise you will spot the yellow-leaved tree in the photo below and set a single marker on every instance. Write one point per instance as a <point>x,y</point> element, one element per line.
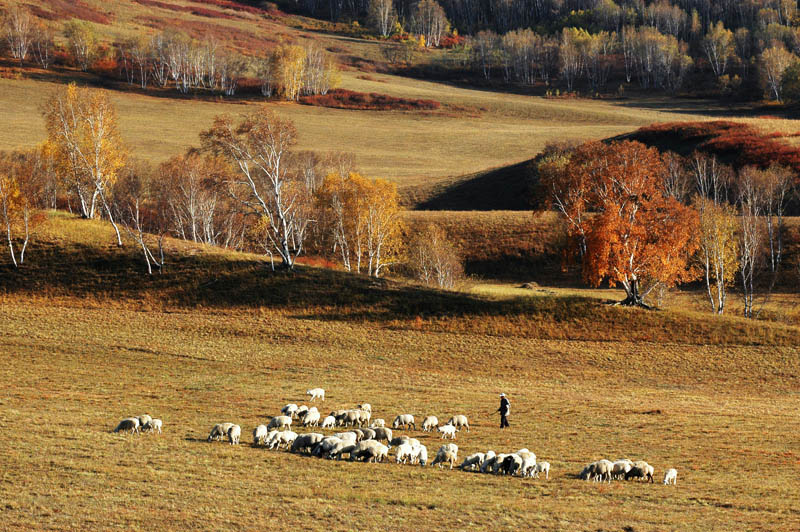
<point>83,137</point>
<point>15,202</point>
<point>361,217</point>
<point>288,69</point>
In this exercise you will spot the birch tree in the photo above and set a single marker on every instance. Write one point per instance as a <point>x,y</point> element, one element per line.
<point>258,147</point>
<point>17,26</point>
<point>382,16</point>
<point>83,135</point>
<point>15,206</point>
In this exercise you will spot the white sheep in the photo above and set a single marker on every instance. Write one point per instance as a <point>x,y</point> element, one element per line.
<point>234,433</point>
<point>421,455</point>
<point>219,431</point>
<point>369,434</point>
<point>144,420</point>
<point>404,453</point>
<point>316,393</point>
<point>311,419</point>
<point>641,470</point>
<point>472,461</point>
<point>528,461</point>
<point>154,425</point>
<point>377,423</point>
<point>329,422</point>
<point>671,476</point>
<point>511,464</point>
<point>260,435</point>
<point>366,407</point>
<point>404,421</point>
<point>301,411</point>
<point>620,467</point>
<point>284,437</point>
<point>603,470</point>
<point>324,447</point>
<point>129,423</point>
<point>489,460</point>
<point>280,423</point>
<point>289,410</point>
<point>447,453</point>
<point>429,423</point>
<point>459,421</point>
<point>448,430</point>
<point>540,467</point>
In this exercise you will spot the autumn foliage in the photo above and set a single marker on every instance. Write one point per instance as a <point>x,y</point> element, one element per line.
<point>347,99</point>
<point>633,234</point>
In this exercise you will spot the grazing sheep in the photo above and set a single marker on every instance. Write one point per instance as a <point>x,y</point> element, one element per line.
<point>329,422</point>
<point>359,434</point>
<point>345,448</point>
<point>353,418</point>
<point>234,433</point>
<point>325,446</point>
<point>311,419</point>
<point>620,467</point>
<point>129,423</point>
<point>260,435</point>
<point>641,470</point>
<point>285,437</point>
<point>540,467</point>
<point>154,425</point>
<point>369,451</point>
<point>271,439</point>
<point>404,421</point>
<point>430,423</point>
<point>144,421</point>
<point>404,453</point>
<point>528,461</point>
<point>383,434</point>
<point>366,414</point>
<point>347,436</point>
<point>511,464</point>
<point>473,461</point>
<point>447,453</point>
<point>219,431</point>
<point>280,423</point>
<point>300,413</point>
<point>398,441</point>
<point>316,393</point>
<point>365,406</point>
<point>671,476</point>
<point>420,455</point>
<point>447,430</point>
<point>459,421</point>
<point>289,410</point>
<point>488,461</point>
<point>378,423</point>
<point>498,462</point>
<point>602,470</point>
<point>369,434</point>
<point>305,442</point>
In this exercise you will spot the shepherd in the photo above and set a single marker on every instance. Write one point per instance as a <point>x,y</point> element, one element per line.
<point>505,408</point>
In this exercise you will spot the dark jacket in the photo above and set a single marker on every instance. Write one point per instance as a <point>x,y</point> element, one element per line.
<point>505,406</point>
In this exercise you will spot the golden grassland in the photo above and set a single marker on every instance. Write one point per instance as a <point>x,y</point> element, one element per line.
<point>75,360</point>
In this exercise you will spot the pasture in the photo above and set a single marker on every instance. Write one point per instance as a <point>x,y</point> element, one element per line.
<point>77,357</point>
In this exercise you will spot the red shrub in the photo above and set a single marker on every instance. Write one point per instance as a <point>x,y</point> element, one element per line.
<point>346,99</point>
<point>319,262</point>
<point>199,11</point>
<point>450,41</point>
<point>239,6</point>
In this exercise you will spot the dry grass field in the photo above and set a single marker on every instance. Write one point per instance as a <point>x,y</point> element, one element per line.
<point>87,340</point>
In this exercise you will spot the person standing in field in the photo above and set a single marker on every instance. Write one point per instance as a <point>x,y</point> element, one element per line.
<point>505,408</point>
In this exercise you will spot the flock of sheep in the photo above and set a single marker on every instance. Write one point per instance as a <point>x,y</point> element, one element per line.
<point>370,440</point>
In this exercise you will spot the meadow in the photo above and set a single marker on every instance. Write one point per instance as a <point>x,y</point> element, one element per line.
<point>195,348</point>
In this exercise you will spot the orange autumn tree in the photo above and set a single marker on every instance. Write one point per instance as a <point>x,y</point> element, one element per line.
<point>636,236</point>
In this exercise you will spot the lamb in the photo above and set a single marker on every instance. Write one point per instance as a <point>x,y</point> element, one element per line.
<point>448,430</point>
<point>154,425</point>
<point>378,423</point>
<point>640,470</point>
<point>540,467</point>
<point>311,419</point>
<point>383,434</point>
<point>472,461</point>
<point>289,410</point>
<point>129,423</point>
<point>671,476</point>
<point>329,422</point>
<point>219,431</point>
<point>459,421</point>
<point>316,393</point>
<point>305,442</point>
<point>259,435</point>
<point>404,453</point>
<point>429,423</point>
<point>404,421</point>
<point>447,453</point>
<point>280,423</point>
<point>234,434</point>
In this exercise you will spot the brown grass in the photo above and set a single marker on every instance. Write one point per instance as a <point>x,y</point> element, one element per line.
<point>73,366</point>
